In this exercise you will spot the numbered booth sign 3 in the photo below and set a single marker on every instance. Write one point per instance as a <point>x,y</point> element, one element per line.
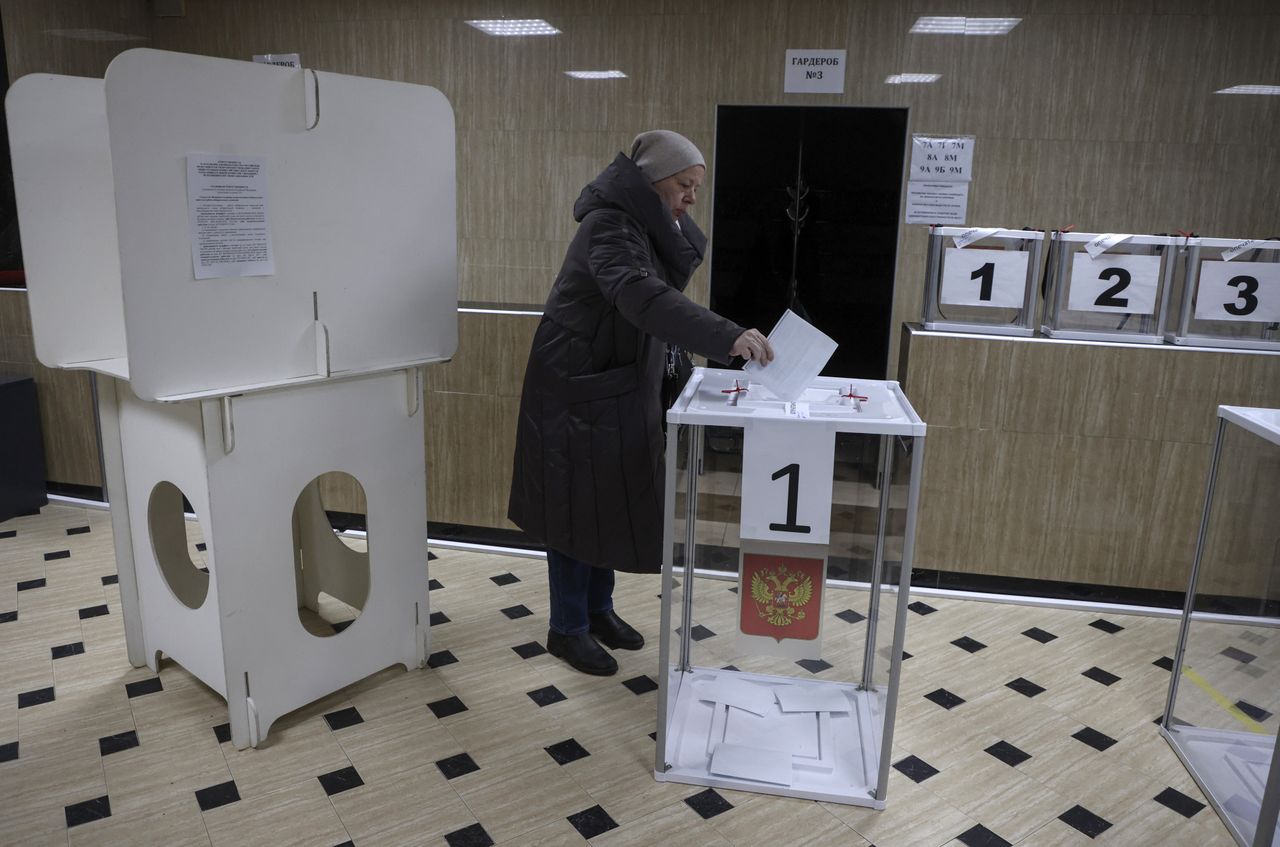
<point>786,481</point>
<point>976,277</point>
<point>1114,282</point>
<point>1238,291</point>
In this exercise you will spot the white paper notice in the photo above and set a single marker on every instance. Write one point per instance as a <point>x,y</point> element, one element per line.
<point>800,351</point>
<point>751,763</point>
<point>1243,247</point>
<point>1103,243</point>
<point>811,698</point>
<point>974,233</point>
<point>227,215</point>
<point>747,696</point>
<point>814,72</point>
<point>937,202</point>
<point>942,158</point>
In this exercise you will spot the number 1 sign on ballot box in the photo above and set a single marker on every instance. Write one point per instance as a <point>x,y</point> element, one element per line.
<point>786,482</point>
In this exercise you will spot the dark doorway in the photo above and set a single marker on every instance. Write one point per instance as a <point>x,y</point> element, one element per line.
<point>838,169</point>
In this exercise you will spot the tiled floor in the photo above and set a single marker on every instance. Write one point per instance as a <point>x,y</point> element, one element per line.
<point>1016,725</point>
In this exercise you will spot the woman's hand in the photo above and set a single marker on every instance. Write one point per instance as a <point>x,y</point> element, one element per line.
<point>753,346</point>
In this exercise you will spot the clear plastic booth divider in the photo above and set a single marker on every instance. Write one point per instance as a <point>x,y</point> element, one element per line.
<point>1230,294</point>
<point>982,279</point>
<point>783,680</point>
<point>1220,716</point>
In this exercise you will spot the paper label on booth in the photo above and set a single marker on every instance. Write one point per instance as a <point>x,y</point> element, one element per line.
<point>780,600</point>
<point>227,214</point>
<point>984,277</point>
<point>1124,283</point>
<point>786,481</point>
<point>1238,291</point>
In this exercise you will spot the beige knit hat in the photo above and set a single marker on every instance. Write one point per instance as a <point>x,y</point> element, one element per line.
<point>659,153</point>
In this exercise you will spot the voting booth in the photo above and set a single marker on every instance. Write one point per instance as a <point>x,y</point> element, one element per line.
<point>1220,716</point>
<point>982,279</point>
<point>1230,294</point>
<point>782,683</point>
<point>1109,286</point>
<point>256,262</point>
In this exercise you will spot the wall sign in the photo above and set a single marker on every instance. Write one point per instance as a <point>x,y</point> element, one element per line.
<point>942,158</point>
<point>1117,282</point>
<point>786,481</point>
<point>937,202</point>
<point>814,72</point>
<point>1238,291</point>
<point>977,277</point>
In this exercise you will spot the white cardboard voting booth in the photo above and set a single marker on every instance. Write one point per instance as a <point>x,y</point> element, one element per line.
<point>256,261</point>
<point>783,730</point>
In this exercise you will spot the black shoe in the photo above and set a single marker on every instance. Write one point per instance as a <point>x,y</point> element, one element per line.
<point>582,653</point>
<point>615,633</point>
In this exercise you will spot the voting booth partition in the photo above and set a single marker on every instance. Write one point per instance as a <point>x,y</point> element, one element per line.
<point>256,262</point>
<point>1109,287</point>
<point>1230,294</point>
<point>1220,716</point>
<point>982,280</point>
<point>796,692</point>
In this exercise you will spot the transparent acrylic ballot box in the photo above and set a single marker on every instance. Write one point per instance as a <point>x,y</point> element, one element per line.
<point>1221,713</point>
<point>1109,287</point>
<point>1230,294</point>
<point>982,280</point>
<point>785,681</point>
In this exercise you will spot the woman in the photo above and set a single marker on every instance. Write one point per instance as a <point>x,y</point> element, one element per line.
<point>588,474</point>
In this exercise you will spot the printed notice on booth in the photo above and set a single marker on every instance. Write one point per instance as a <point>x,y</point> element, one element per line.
<point>227,215</point>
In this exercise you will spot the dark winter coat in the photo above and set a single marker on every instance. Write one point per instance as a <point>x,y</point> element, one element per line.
<point>588,474</point>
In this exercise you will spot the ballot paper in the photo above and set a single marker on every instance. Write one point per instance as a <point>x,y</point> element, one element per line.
<point>800,351</point>
<point>751,763</point>
<point>811,698</point>
<point>748,696</point>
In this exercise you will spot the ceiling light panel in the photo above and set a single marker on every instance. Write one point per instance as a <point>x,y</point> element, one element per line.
<point>1250,89</point>
<point>964,26</point>
<point>596,74</point>
<point>902,79</point>
<point>509,28</point>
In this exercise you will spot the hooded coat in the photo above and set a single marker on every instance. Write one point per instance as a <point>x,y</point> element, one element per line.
<point>588,471</point>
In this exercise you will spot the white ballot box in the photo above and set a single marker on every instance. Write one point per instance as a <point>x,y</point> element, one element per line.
<point>1224,693</point>
<point>784,681</point>
<point>256,283</point>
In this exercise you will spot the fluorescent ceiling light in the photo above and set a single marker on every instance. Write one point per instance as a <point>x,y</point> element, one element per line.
<point>596,74</point>
<point>93,35</point>
<point>524,26</point>
<point>1250,89</point>
<point>964,26</point>
<point>899,79</point>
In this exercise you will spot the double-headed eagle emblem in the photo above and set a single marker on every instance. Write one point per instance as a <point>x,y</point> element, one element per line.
<point>781,594</point>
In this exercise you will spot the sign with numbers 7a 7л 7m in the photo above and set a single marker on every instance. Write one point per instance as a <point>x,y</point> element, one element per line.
<point>786,481</point>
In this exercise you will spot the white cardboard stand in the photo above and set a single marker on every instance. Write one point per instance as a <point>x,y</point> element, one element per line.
<point>268,382</point>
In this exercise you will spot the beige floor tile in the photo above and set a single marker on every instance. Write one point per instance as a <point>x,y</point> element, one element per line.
<point>175,825</point>
<point>395,690</point>
<point>34,784</point>
<point>379,749</point>
<point>519,794</point>
<point>556,834</point>
<point>176,710</point>
<point>75,719</point>
<point>782,820</point>
<point>904,822</point>
<point>675,825</point>
<point>291,755</point>
<point>163,772</point>
<point>411,807</point>
<point>298,815</point>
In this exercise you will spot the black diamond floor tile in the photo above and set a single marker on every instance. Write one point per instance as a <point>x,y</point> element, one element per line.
<point>437,618</point>
<point>339,626</point>
<point>1025,687</point>
<point>1164,662</point>
<point>980,836</point>
<point>57,554</point>
<point>567,751</point>
<point>343,718</point>
<point>969,645</point>
<point>469,836</point>
<point>111,579</point>
<point>814,665</point>
<point>1106,626</point>
<point>915,769</point>
<point>8,752</point>
<point>31,584</point>
<point>504,579</point>
<point>27,699</point>
<point>78,530</point>
<point>431,557</point>
<point>529,649</point>
<point>143,686</point>
<point>517,612</point>
<point>921,608</point>
<point>641,685</point>
<point>446,707</point>
<point>1186,806</point>
<point>1099,675</point>
<point>441,658</point>
<point>944,698</point>
<point>1080,818</point>
<point>456,766</point>
<point>434,585</point>
<point>222,732</point>
<point>94,612</point>
<point>708,803</point>
<point>8,617</point>
<point>88,810</point>
<point>850,616</point>
<point>1094,739</point>
<point>115,743</point>
<point>336,782</point>
<point>1239,655</point>
<point>546,696</point>
<point>733,668</point>
<point>201,546</point>
<point>217,795</point>
<point>1007,753</point>
<point>1038,634</point>
<point>700,633</point>
<point>592,822</point>
<point>8,533</point>
<point>1258,713</point>
<point>66,650</point>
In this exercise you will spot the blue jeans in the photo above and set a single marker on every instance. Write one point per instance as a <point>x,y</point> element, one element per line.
<point>577,589</point>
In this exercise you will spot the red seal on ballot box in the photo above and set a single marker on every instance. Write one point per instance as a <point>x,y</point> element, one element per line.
<point>781,596</point>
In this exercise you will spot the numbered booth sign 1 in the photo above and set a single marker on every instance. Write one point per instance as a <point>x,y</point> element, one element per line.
<point>981,280</point>
<point>1230,296</point>
<point>786,483</point>
<point>1109,287</point>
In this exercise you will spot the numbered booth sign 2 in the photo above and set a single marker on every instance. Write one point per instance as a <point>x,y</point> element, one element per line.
<point>786,481</point>
<point>978,277</point>
<point>1114,282</point>
<point>1238,291</point>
